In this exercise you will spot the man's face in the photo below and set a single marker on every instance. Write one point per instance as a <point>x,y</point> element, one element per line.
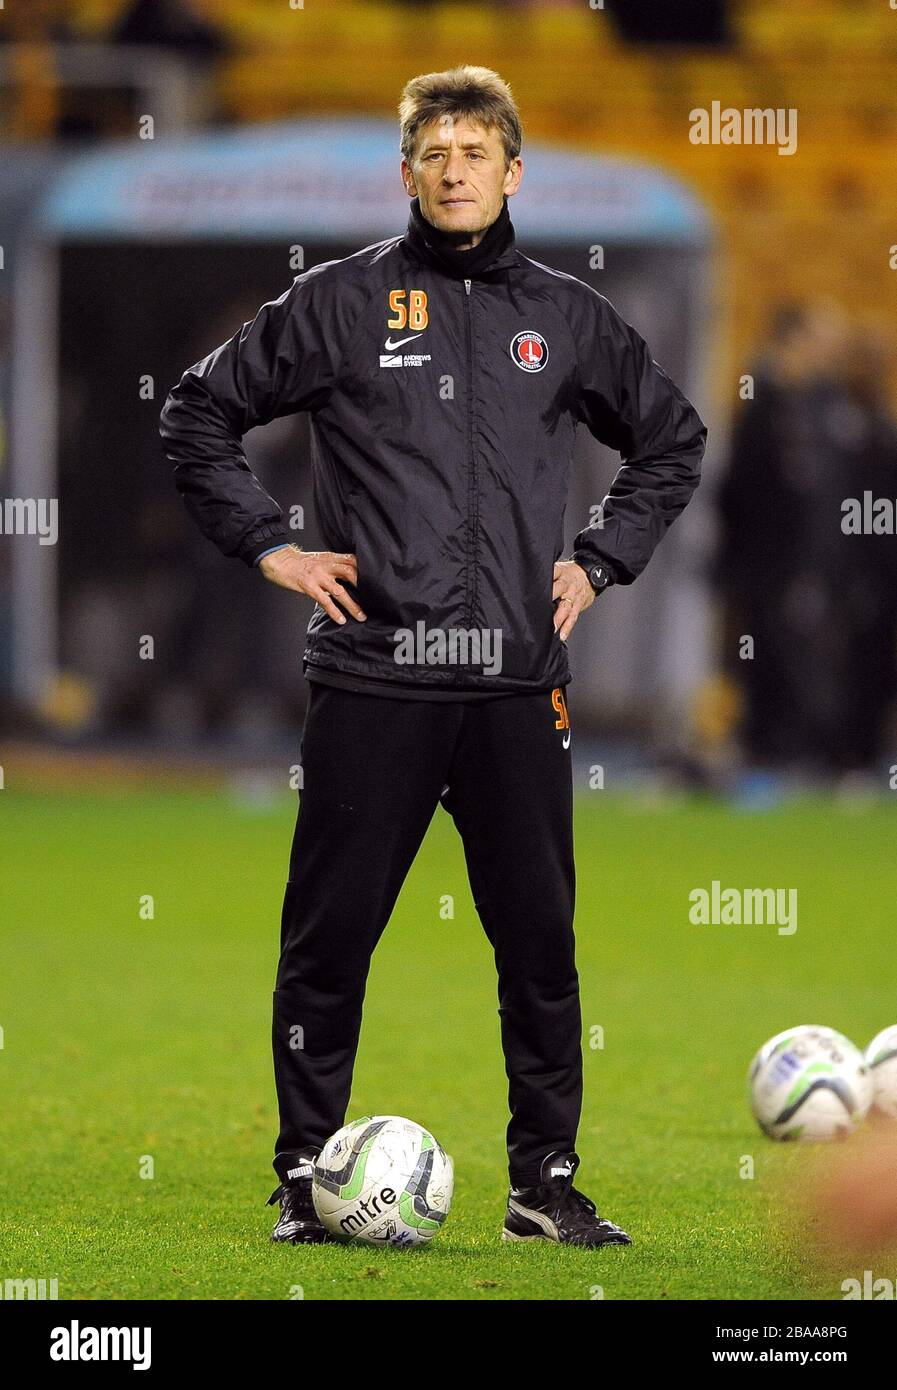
<point>460,173</point>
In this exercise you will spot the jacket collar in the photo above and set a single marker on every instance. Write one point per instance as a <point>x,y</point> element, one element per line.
<point>497,251</point>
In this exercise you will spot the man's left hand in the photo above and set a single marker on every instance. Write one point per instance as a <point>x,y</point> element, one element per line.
<point>572,593</point>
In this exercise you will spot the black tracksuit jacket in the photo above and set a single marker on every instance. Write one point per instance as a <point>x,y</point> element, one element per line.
<point>443,415</point>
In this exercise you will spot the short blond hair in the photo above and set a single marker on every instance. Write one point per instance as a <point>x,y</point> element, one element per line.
<point>478,94</point>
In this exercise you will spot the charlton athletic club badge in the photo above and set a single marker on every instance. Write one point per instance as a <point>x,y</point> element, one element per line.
<point>529,351</point>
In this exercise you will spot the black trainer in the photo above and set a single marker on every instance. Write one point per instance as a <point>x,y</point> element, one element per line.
<point>298,1222</point>
<point>556,1211</point>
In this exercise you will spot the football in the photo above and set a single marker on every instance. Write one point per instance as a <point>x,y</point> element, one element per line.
<point>881,1059</point>
<point>809,1083</point>
<point>383,1180</point>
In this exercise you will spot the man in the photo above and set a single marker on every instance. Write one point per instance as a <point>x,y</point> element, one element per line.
<point>784,567</point>
<point>445,375</point>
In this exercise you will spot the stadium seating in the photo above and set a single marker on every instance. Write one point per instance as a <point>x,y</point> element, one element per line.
<point>788,224</point>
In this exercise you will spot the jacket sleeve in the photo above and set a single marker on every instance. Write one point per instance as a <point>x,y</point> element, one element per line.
<point>282,362</point>
<point>629,403</point>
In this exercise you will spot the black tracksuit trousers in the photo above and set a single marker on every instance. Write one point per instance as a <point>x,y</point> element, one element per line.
<point>375,770</point>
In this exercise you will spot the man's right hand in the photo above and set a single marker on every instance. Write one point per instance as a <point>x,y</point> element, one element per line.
<point>316,573</point>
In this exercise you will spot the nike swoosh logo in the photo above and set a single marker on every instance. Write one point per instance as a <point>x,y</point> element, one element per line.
<point>567,745</point>
<point>390,346</point>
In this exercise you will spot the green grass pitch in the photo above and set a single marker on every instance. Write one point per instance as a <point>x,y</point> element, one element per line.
<point>126,1037</point>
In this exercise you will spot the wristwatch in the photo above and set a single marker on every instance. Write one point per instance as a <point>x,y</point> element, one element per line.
<point>599,577</point>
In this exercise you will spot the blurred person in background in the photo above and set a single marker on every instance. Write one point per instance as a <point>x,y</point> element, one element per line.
<point>5,552</point>
<point>869,567</point>
<point>814,601</point>
<point>173,24</point>
<point>699,23</point>
<point>212,631</point>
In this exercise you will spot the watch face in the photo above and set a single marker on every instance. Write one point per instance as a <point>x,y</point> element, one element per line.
<point>598,576</point>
